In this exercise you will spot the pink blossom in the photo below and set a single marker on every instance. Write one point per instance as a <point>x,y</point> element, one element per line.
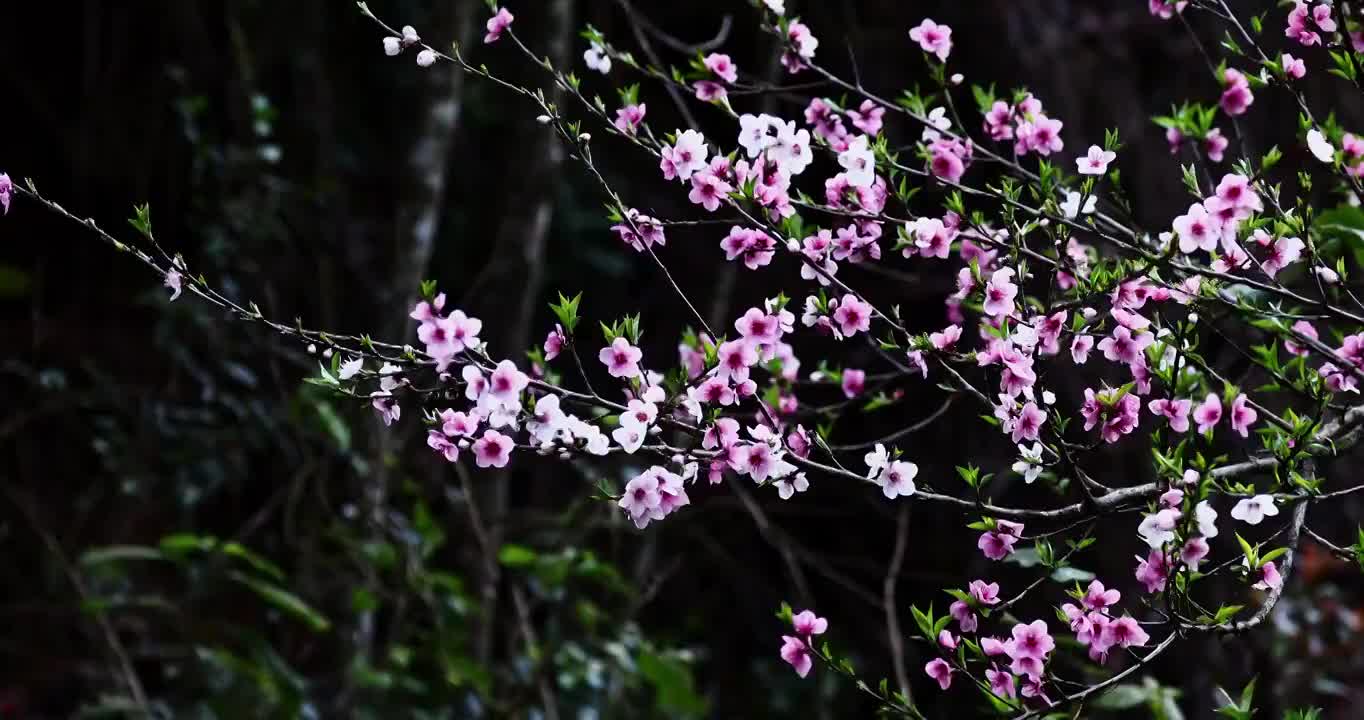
<point>1236,97</point>
<point>997,120</point>
<point>983,592</point>
<point>853,315</point>
<point>964,615</point>
<point>1124,632</point>
<point>1000,292</point>
<point>1166,9</point>
<point>1208,413</point>
<point>1028,424</point>
<point>438,442</point>
<point>947,639</point>
<point>1117,416</point>
<point>1293,67</point>
<point>854,381</point>
<point>807,623</point>
<point>554,342</point>
<point>1194,551</point>
<point>723,434</point>
<point>506,383</point>
<point>459,424</point>
<point>898,479</point>
<point>709,91</point>
<point>492,450</point>
<point>708,191</point>
<point>992,647</point>
<point>1080,347</point>
<point>1270,579</point>
<point>754,247</point>
<point>1042,135</point>
<point>940,671</point>
<point>1253,510</point>
<point>1215,144</point>
<point>621,358</point>
<point>932,237</point>
<point>1197,230</point>
<point>947,339</point>
<point>867,117</point>
<point>722,66</point>
<point>1336,380</point>
<point>686,157</point>
<point>1123,347</point>
<point>1242,415</point>
<point>1285,252</point>
<point>1174,138</point>
<point>1304,22</point>
<point>795,652</point>
<point>735,358</point>
<point>1176,410</point>
<point>629,118</point>
<point>945,163</point>
<point>1096,161</point>
<point>997,544</point>
<point>639,231</point>
<point>173,279</point>
<point>1236,190</point>
<point>1305,329</point>
<point>498,23</point>
<point>6,190</point>
<point>933,38</point>
<point>641,498</point>
<point>1152,571</point>
<point>1001,683</point>
<point>803,45</point>
<point>1097,597</point>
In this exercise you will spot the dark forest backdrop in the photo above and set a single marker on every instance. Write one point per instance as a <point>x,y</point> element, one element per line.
<point>304,170</point>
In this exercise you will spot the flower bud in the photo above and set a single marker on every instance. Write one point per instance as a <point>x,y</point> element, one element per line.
<point>543,119</point>
<point>312,349</point>
<point>957,78</point>
<point>585,137</point>
<point>426,58</point>
<point>327,353</point>
<point>410,35</point>
<point>392,46</point>
<point>792,245</point>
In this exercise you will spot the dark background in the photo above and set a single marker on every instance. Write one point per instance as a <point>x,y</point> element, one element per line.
<point>295,165</point>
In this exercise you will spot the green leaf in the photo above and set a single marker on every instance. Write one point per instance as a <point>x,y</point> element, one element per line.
<point>119,553</point>
<point>284,600</point>
<point>672,680</point>
<point>516,555</point>
<point>1123,697</point>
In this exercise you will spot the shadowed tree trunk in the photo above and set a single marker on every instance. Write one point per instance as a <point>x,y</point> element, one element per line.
<point>514,279</point>
<point>421,205</point>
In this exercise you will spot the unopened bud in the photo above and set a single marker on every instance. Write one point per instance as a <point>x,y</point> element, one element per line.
<point>543,119</point>
<point>792,245</point>
<point>327,353</point>
<point>585,137</point>
<point>410,35</point>
<point>957,78</point>
<point>392,46</point>
<point>312,349</point>
<point>426,58</point>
